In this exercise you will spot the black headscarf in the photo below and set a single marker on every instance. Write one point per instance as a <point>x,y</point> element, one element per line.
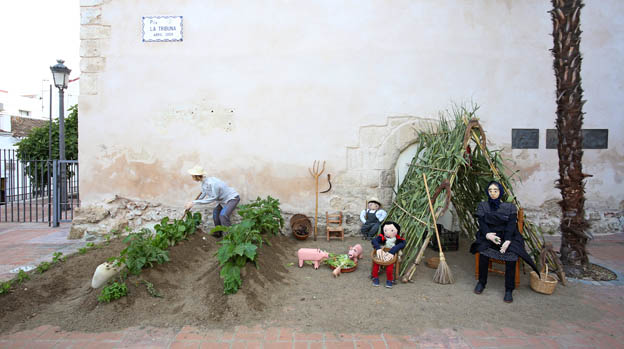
<point>494,203</point>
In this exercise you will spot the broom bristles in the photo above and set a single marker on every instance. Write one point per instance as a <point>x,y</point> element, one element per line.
<point>443,274</point>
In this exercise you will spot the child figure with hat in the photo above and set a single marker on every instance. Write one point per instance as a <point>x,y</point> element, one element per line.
<point>372,217</point>
<point>215,190</point>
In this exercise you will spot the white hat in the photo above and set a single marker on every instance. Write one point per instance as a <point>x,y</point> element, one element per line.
<point>375,200</point>
<point>197,171</point>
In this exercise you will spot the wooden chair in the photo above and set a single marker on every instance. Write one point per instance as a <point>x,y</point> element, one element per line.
<point>498,261</point>
<point>333,226</point>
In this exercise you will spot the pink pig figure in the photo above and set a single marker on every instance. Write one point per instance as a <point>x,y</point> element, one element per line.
<point>355,252</point>
<point>311,254</point>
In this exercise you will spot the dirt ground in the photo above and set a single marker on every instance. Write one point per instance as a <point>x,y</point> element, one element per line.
<point>279,293</point>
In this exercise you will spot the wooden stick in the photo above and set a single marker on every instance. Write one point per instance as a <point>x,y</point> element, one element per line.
<point>412,269</point>
<point>409,214</point>
<point>433,168</point>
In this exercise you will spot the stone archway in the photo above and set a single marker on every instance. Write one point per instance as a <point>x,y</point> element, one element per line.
<point>370,164</point>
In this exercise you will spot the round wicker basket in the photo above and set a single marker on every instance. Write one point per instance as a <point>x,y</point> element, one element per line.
<point>545,285</point>
<point>433,262</point>
<point>380,262</point>
<point>300,226</point>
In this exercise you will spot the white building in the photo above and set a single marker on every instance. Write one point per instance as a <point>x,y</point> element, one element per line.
<point>20,112</point>
<point>255,91</point>
<point>13,107</point>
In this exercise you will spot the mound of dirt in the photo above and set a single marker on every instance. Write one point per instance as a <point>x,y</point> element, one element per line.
<point>190,286</point>
<point>277,293</point>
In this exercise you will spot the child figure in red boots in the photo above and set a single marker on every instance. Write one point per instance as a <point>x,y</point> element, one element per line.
<point>389,238</point>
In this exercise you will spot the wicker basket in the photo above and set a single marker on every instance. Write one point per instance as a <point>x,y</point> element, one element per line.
<point>545,285</point>
<point>433,262</point>
<point>300,223</point>
<point>380,262</point>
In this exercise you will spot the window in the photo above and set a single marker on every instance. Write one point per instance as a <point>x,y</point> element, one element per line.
<point>24,112</point>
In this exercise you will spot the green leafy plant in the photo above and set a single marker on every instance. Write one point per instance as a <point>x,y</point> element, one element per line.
<point>146,247</point>
<point>5,287</point>
<point>113,291</point>
<point>22,276</point>
<point>242,240</point>
<point>141,252</point>
<point>90,245</point>
<point>169,234</point>
<point>82,250</point>
<point>151,289</point>
<point>238,246</point>
<point>58,257</point>
<point>43,267</point>
<point>264,213</point>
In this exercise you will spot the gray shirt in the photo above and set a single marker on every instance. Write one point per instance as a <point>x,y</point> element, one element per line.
<point>215,190</point>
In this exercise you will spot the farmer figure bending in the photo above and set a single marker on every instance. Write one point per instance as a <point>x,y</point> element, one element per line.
<point>215,190</point>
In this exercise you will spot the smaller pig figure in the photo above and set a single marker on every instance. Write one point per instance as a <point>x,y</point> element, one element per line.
<point>355,252</point>
<point>337,271</point>
<point>311,254</point>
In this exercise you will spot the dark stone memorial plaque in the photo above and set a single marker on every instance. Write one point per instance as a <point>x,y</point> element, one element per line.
<point>551,138</point>
<point>524,138</point>
<point>593,138</point>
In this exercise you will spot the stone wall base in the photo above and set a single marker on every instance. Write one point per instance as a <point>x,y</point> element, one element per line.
<point>119,214</point>
<point>602,220</point>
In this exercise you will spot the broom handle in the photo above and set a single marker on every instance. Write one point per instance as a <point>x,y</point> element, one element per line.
<point>435,224</point>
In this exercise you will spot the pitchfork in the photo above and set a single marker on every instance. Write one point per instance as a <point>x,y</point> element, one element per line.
<point>314,171</point>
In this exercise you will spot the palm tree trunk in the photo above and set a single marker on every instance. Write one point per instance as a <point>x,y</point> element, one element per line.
<point>566,15</point>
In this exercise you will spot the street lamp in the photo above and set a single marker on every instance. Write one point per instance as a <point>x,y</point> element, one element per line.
<point>60,73</point>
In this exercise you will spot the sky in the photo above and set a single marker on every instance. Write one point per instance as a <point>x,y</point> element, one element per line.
<point>35,33</point>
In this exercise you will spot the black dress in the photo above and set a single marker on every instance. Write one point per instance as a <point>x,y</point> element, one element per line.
<point>501,221</point>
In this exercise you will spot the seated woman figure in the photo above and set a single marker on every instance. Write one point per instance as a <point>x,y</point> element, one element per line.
<point>498,237</point>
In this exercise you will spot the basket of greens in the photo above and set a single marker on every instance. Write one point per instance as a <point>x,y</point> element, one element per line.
<point>341,260</point>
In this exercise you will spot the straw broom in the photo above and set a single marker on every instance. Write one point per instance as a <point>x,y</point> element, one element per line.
<point>443,273</point>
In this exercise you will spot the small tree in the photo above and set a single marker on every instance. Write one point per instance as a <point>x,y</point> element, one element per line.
<point>35,147</point>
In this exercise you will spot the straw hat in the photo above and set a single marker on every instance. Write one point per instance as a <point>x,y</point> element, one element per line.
<point>375,200</point>
<point>197,171</point>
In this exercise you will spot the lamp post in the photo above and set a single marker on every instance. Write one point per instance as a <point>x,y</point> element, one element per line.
<point>60,73</point>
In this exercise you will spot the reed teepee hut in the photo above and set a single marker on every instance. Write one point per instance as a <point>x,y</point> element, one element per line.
<point>454,156</point>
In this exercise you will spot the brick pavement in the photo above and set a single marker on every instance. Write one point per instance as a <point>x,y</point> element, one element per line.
<point>26,245</point>
<point>608,332</point>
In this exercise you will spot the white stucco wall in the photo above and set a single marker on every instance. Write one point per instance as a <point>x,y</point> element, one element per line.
<point>258,90</point>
